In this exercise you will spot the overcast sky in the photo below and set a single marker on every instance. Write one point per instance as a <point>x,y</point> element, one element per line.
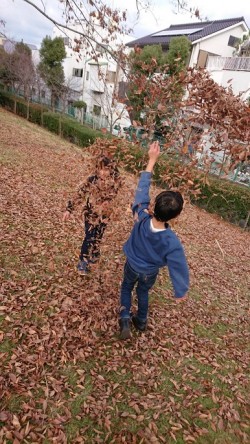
<point>23,22</point>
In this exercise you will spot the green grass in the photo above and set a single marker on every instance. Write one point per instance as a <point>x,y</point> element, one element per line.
<point>6,346</point>
<point>15,403</point>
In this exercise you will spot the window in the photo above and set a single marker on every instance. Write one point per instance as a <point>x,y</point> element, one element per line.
<point>110,76</point>
<point>233,41</point>
<point>77,72</point>
<point>66,41</point>
<point>101,48</point>
<point>33,91</point>
<point>97,110</point>
<point>43,94</point>
<point>87,75</point>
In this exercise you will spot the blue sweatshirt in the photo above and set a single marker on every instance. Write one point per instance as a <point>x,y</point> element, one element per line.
<point>148,251</point>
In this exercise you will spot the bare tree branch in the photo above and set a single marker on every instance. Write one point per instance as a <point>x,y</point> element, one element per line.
<point>63,26</point>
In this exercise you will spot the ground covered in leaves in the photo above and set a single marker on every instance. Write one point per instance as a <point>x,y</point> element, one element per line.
<point>65,377</point>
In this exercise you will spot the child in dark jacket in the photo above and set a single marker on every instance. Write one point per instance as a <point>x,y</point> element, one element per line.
<point>151,245</point>
<point>98,192</point>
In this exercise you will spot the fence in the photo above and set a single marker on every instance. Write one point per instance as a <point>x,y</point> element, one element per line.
<point>94,121</point>
<point>228,63</point>
<point>241,174</point>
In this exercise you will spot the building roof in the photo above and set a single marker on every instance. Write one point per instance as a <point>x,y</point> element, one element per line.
<point>193,31</point>
<point>9,45</point>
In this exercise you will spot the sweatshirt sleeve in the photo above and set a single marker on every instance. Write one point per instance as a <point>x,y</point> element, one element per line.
<point>142,199</point>
<point>178,271</point>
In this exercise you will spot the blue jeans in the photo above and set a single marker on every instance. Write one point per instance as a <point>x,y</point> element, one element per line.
<point>144,283</point>
<point>90,249</point>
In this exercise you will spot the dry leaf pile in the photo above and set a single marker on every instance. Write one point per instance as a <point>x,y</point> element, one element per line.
<point>65,376</point>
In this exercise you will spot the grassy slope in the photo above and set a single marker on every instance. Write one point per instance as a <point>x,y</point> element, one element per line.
<point>65,376</point>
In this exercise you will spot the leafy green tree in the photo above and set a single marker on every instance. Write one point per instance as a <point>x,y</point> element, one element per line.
<point>82,106</point>
<point>145,62</point>
<point>178,54</point>
<point>52,53</point>
<point>150,62</point>
<point>148,59</point>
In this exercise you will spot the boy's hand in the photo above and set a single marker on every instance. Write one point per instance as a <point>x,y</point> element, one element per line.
<point>153,154</point>
<point>154,151</point>
<point>66,216</point>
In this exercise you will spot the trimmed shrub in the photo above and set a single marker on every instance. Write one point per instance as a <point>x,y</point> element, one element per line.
<point>36,112</point>
<point>51,122</point>
<point>60,124</point>
<point>229,200</point>
<point>70,129</point>
<point>77,133</point>
<point>21,108</point>
<point>7,100</point>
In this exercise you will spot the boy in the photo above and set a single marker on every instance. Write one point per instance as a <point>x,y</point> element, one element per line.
<point>100,189</point>
<point>151,245</point>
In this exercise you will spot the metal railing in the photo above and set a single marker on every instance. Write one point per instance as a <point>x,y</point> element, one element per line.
<point>96,122</point>
<point>228,63</point>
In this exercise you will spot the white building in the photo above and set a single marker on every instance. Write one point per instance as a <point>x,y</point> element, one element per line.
<point>93,77</point>
<point>217,38</point>
<point>231,72</point>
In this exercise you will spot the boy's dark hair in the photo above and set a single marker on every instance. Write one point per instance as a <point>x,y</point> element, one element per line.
<point>168,205</point>
<point>106,162</point>
<point>103,162</point>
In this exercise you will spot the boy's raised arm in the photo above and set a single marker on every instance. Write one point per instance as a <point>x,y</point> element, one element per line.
<point>153,154</point>
<point>141,201</point>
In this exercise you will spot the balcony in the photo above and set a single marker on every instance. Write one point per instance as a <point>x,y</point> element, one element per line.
<point>216,63</point>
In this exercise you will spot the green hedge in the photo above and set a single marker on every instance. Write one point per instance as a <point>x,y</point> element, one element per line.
<point>36,113</point>
<point>21,109</point>
<point>57,123</point>
<point>70,129</point>
<point>7,100</point>
<point>229,200</point>
<point>51,122</point>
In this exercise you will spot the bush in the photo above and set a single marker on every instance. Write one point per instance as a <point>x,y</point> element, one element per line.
<point>80,104</point>
<point>7,100</point>
<point>70,129</point>
<point>21,108</point>
<point>227,199</point>
<point>60,124</point>
<point>36,112</point>
<point>51,122</point>
<point>77,133</point>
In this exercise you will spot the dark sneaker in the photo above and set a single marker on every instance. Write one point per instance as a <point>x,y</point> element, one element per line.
<point>82,267</point>
<point>125,332</point>
<point>139,325</point>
